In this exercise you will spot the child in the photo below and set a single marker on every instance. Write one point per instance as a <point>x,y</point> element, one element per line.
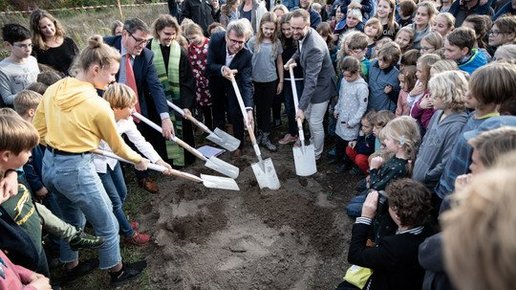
<point>424,15</point>
<point>481,24</point>
<point>350,107</point>
<point>267,75</point>
<point>441,66</point>
<point>405,15</point>
<point>383,79</point>
<point>410,57</point>
<point>357,48</point>
<point>379,120</point>
<point>385,13</point>
<point>122,100</point>
<point>447,90</point>
<point>405,38</point>
<point>289,48</point>
<point>19,69</point>
<point>459,46</point>
<point>421,109</point>
<point>358,151</point>
<point>407,78</point>
<point>374,30</point>
<point>443,23</point>
<point>198,55</point>
<point>432,43</point>
<point>401,138</point>
<point>489,87</point>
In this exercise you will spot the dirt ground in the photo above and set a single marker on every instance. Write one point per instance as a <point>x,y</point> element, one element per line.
<point>292,238</point>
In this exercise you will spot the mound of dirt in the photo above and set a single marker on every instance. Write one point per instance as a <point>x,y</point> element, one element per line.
<point>292,238</point>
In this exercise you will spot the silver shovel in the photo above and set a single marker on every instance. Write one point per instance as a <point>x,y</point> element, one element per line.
<point>212,162</point>
<point>218,136</point>
<point>208,181</point>
<point>263,170</point>
<point>304,156</point>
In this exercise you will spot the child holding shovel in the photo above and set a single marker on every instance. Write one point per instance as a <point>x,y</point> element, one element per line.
<point>122,100</point>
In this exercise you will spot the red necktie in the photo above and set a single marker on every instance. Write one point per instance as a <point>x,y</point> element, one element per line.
<point>131,82</point>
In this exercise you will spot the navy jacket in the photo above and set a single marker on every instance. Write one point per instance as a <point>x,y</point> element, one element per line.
<point>150,91</point>
<point>241,62</point>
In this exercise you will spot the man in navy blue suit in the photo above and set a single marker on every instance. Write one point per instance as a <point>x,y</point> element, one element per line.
<point>151,97</point>
<point>228,57</point>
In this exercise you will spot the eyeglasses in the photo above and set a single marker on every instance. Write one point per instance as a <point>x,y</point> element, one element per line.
<point>494,32</point>
<point>23,45</point>
<point>139,41</point>
<point>234,41</point>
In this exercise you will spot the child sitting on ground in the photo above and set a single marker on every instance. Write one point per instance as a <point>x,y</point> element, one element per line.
<point>122,100</point>
<point>358,151</point>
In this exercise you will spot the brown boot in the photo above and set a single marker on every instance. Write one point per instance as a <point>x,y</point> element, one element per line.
<point>148,184</point>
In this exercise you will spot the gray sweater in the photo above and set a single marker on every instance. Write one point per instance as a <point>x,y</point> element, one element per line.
<point>14,77</point>
<point>436,147</point>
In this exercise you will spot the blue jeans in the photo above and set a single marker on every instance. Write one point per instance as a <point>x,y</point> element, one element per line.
<point>114,184</point>
<point>354,207</point>
<point>289,104</point>
<point>81,196</point>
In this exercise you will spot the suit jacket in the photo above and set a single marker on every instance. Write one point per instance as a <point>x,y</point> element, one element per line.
<point>150,91</point>
<point>320,83</point>
<point>241,62</point>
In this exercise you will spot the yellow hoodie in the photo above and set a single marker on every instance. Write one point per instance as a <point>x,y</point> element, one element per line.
<point>73,118</point>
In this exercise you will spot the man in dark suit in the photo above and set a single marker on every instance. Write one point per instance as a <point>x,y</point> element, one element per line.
<point>228,57</point>
<point>319,76</point>
<point>151,97</point>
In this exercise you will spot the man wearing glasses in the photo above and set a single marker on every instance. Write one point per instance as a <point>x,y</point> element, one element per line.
<point>138,72</point>
<point>227,57</point>
<point>319,76</point>
<point>19,69</point>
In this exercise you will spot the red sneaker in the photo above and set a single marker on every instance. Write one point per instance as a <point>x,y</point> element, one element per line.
<point>138,239</point>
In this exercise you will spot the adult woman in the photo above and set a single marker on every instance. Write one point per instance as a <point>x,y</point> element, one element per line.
<point>253,11</point>
<point>175,73</point>
<point>51,46</point>
<point>394,259</point>
<point>71,121</point>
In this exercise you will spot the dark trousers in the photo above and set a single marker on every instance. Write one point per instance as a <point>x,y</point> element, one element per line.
<point>224,102</point>
<point>340,149</point>
<point>264,94</point>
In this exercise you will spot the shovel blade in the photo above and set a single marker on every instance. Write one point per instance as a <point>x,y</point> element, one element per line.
<point>266,174</point>
<point>224,140</point>
<point>222,167</point>
<point>219,182</point>
<point>305,160</point>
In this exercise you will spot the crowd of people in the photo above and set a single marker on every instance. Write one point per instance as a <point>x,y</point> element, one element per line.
<point>416,97</point>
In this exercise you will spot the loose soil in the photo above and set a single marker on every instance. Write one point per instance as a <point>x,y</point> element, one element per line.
<point>292,238</point>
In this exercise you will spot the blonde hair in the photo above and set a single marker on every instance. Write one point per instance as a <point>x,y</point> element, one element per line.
<point>448,17</point>
<point>491,144</point>
<point>430,8</point>
<point>403,130</point>
<point>426,61</point>
<point>434,39</point>
<point>411,34</point>
<point>376,22</point>
<point>390,52</point>
<point>272,18</point>
<point>97,52</point>
<point>120,96</point>
<point>191,29</point>
<point>16,134</point>
<point>26,100</point>
<point>381,118</point>
<point>479,241</point>
<point>391,24</point>
<point>443,65</point>
<point>451,88</point>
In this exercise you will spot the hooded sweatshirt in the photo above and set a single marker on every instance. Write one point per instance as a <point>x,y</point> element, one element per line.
<point>73,118</point>
<point>436,147</point>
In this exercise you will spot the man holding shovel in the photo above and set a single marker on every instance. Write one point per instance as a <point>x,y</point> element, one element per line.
<point>228,58</point>
<point>319,76</point>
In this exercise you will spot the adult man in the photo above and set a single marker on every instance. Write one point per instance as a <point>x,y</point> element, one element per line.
<point>463,8</point>
<point>143,79</point>
<point>227,56</point>
<point>319,76</point>
<point>315,17</point>
<point>202,12</point>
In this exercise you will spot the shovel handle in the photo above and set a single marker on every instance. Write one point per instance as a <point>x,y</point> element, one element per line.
<point>188,117</point>
<point>244,115</point>
<point>152,166</point>
<point>174,138</point>
<point>296,105</point>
